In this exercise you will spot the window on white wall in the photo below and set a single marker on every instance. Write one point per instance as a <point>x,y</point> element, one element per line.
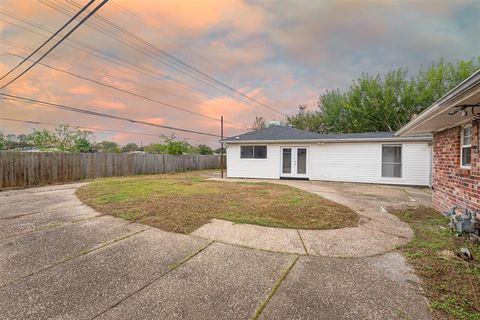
<point>466,150</point>
<point>391,161</point>
<point>253,152</point>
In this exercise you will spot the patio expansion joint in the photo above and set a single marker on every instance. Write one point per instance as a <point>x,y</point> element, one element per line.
<point>74,257</point>
<point>36,212</point>
<point>272,292</point>
<point>249,247</point>
<point>387,233</point>
<point>52,227</point>
<point>172,268</point>
<point>303,243</point>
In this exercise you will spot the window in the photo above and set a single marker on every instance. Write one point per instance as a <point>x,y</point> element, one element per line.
<point>253,152</point>
<point>391,161</point>
<point>466,150</point>
<point>246,152</point>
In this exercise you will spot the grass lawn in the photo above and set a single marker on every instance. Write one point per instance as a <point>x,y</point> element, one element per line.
<point>182,202</point>
<point>451,284</point>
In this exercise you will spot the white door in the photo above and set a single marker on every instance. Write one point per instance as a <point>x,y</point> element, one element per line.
<point>294,162</point>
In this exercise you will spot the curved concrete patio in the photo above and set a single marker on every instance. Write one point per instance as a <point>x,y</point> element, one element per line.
<point>378,231</point>
<point>59,259</point>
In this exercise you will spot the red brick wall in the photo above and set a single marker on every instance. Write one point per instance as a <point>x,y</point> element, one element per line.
<point>453,185</point>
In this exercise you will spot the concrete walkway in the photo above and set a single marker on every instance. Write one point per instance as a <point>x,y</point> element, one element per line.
<point>62,260</point>
<point>378,231</point>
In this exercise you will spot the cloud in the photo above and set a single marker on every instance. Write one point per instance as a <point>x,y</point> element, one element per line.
<point>154,120</point>
<point>280,53</point>
<point>84,90</point>
<point>109,105</point>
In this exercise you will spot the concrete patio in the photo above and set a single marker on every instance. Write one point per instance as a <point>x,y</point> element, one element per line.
<point>61,259</point>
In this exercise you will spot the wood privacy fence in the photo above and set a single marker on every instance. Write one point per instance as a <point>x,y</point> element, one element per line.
<point>29,169</point>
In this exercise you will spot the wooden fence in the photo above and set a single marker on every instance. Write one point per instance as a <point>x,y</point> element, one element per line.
<point>29,169</point>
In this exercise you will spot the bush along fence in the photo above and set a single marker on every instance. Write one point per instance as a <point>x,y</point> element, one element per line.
<point>30,169</point>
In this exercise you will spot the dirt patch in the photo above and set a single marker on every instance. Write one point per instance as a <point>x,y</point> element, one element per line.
<point>183,202</point>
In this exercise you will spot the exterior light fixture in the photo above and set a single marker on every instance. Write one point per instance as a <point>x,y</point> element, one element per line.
<point>463,109</point>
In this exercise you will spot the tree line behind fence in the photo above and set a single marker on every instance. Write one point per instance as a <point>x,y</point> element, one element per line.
<point>30,169</point>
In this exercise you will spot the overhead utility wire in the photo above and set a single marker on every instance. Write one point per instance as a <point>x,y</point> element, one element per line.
<point>190,50</point>
<point>50,38</point>
<point>99,114</point>
<point>131,93</point>
<point>103,55</point>
<point>88,67</point>
<point>98,129</point>
<point>91,13</point>
<point>182,63</point>
<point>136,47</point>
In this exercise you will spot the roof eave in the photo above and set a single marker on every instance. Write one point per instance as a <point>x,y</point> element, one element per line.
<point>392,139</point>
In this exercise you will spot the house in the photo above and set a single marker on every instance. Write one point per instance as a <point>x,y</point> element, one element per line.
<point>454,122</point>
<point>280,152</point>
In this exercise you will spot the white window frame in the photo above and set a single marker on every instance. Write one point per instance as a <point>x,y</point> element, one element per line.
<point>462,146</point>
<point>253,150</point>
<point>401,160</point>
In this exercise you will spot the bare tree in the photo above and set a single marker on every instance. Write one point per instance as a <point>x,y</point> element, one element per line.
<point>258,124</point>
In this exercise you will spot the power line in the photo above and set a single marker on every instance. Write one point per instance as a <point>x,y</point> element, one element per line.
<point>103,55</point>
<point>98,114</point>
<point>190,50</point>
<point>91,13</point>
<point>50,38</point>
<point>81,65</point>
<point>96,129</point>
<point>135,46</point>
<point>130,92</point>
<point>170,56</point>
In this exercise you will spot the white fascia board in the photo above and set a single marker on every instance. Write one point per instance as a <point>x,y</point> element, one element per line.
<point>306,141</point>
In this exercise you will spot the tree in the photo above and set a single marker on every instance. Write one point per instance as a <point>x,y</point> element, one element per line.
<point>82,145</point>
<point>258,124</point>
<point>219,150</point>
<point>383,103</point>
<point>2,140</point>
<point>204,149</point>
<point>173,146</point>
<point>42,140</point>
<point>66,138</point>
<point>307,120</point>
<point>155,148</point>
<point>130,147</point>
<point>107,146</point>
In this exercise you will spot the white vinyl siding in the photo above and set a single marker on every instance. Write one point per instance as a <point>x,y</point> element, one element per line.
<point>350,162</point>
<point>362,162</point>
<point>238,167</point>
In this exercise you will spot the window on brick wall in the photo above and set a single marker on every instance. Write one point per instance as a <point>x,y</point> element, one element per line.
<point>466,150</point>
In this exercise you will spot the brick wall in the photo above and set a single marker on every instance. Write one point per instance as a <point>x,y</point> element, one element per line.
<point>453,185</point>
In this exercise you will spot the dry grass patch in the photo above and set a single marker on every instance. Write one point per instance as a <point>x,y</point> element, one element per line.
<point>451,284</point>
<point>182,202</point>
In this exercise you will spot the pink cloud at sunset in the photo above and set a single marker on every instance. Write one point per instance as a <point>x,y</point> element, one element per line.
<point>280,54</point>
<point>80,90</point>
<point>108,105</point>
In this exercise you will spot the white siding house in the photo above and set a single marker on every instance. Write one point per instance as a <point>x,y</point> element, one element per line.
<point>283,152</point>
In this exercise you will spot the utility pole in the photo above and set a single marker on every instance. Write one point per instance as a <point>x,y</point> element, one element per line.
<point>221,144</point>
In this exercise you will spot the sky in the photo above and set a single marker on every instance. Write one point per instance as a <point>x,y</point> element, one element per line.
<point>278,53</point>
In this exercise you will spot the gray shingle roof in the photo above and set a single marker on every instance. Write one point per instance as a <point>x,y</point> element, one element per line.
<point>282,133</point>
